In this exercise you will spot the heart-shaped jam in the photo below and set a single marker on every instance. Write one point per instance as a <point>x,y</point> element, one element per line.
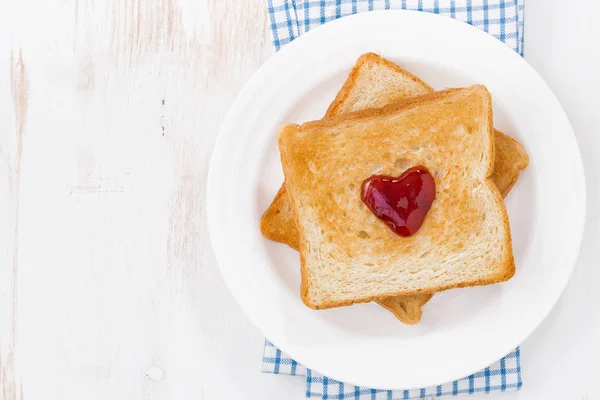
<point>403,202</point>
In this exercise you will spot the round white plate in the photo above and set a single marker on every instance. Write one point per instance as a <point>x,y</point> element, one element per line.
<point>462,330</point>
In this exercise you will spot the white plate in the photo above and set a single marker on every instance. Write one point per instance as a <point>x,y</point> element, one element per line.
<point>463,330</point>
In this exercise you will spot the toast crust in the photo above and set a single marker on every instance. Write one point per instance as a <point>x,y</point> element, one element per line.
<point>505,268</point>
<point>511,158</point>
<point>270,225</point>
<point>338,106</point>
<point>406,308</point>
<point>277,223</point>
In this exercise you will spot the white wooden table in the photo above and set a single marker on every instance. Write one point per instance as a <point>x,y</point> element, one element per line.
<point>108,113</point>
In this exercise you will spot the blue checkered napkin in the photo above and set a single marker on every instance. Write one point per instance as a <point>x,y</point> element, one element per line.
<point>501,18</point>
<point>502,376</point>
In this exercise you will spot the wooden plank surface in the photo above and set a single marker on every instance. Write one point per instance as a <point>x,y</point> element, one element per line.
<point>108,121</point>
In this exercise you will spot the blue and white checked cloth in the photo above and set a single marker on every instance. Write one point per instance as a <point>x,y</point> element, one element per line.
<point>501,376</point>
<point>502,19</point>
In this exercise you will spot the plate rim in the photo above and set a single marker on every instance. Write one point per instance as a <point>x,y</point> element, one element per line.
<point>212,218</point>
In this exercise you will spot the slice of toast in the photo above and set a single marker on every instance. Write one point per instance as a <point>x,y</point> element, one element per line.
<point>348,255</point>
<point>376,82</point>
<point>407,309</point>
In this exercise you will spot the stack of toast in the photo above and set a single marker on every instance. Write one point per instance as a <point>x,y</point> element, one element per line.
<point>383,122</point>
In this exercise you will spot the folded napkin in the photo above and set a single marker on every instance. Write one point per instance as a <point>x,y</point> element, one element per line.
<point>501,18</point>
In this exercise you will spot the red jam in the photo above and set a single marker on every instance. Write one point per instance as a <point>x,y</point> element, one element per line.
<point>403,202</point>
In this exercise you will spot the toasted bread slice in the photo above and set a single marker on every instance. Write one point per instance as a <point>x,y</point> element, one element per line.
<point>510,160</point>
<point>376,82</point>
<point>465,239</point>
<point>407,309</point>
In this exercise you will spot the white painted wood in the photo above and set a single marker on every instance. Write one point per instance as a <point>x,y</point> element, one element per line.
<point>108,113</point>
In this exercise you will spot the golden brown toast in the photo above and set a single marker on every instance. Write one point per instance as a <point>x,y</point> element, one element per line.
<point>376,82</point>
<point>349,256</point>
<point>407,309</point>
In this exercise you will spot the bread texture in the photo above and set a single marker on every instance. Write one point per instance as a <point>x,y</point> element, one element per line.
<point>349,256</point>
<point>511,159</point>
<point>407,309</point>
<point>376,82</point>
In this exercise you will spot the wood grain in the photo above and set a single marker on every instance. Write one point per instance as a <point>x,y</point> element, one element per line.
<point>19,90</point>
<point>108,120</point>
